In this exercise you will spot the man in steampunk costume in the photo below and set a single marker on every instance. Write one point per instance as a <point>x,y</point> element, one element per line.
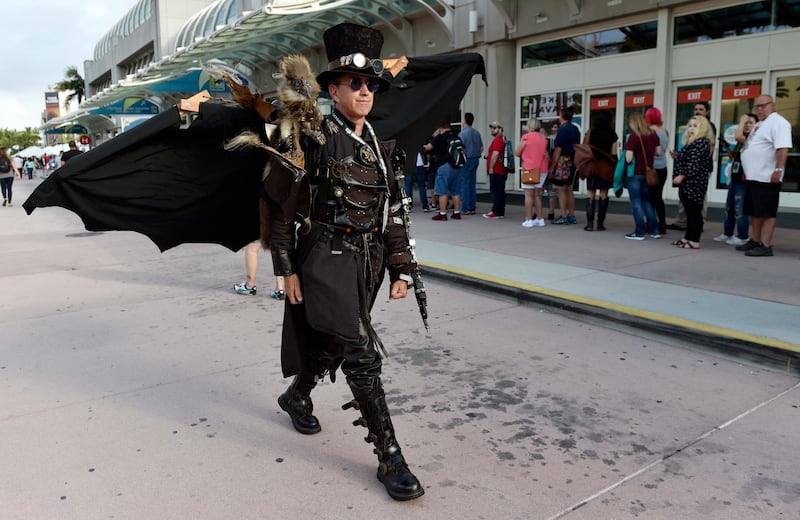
<point>333,261</point>
<point>328,192</point>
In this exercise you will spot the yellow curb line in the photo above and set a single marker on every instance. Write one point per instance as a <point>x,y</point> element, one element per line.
<point>624,309</point>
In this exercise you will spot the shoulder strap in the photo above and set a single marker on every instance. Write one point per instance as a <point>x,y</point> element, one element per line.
<point>644,153</point>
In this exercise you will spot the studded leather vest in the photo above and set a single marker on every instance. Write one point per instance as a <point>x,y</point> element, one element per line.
<point>349,187</point>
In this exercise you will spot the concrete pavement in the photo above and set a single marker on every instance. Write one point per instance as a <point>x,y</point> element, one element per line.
<point>138,385</point>
<point>744,305</point>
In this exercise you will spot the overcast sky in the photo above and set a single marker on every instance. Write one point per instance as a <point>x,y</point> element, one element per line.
<point>41,39</point>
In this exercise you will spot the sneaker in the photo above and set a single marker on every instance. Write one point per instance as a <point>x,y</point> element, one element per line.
<point>551,217</point>
<point>242,288</point>
<point>278,294</point>
<point>634,236</point>
<point>760,250</point>
<point>538,222</point>
<point>528,223</point>
<point>456,215</point>
<point>747,246</point>
<point>439,216</point>
<point>492,215</point>
<point>736,241</point>
<point>572,219</point>
<point>426,209</point>
<point>721,238</point>
<point>560,221</point>
<point>655,235</point>
<point>468,212</point>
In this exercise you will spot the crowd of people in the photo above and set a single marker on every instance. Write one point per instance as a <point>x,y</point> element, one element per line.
<point>754,173</point>
<point>19,167</point>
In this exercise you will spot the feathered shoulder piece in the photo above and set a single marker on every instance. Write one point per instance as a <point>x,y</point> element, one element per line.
<point>298,91</point>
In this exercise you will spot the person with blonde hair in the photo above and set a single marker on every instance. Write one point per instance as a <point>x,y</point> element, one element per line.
<point>692,167</point>
<point>532,150</point>
<point>735,219</point>
<point>642,146</point>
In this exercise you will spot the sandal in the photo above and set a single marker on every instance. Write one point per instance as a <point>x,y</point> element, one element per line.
<point>688,245</point>
<point>679,242</point>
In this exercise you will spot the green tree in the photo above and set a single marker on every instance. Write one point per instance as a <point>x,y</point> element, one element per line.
<point>19,139</point>
<point>72,83</point>
<point>28,137</point>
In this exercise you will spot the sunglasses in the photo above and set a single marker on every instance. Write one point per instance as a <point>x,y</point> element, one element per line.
<point>356,83</point>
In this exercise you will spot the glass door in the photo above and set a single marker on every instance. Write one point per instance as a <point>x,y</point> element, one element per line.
<point>688,97</point>
<point>738,98</point>
<point>787,104</point>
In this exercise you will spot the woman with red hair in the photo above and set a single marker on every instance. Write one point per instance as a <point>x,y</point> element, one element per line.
<point>656,123</point>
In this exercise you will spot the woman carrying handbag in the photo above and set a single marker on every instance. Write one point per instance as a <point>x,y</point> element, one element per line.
<point>532,150</point>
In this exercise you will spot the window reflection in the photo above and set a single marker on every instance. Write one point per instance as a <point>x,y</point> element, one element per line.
<point>787,104</point>
<point>740,20</point>
<point>629,38</point>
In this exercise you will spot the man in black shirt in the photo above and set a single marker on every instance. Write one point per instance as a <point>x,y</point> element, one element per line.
<point>69,154</point>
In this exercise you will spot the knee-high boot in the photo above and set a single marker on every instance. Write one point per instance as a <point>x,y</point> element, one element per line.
<point>296,401</point>
<point>601,214</point>
<point>589,215</point>
<point>393,471</point>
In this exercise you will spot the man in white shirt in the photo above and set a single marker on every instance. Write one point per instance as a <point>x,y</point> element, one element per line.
<point>763,160</point>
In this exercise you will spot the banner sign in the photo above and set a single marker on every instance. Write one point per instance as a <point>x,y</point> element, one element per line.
<point>197,81</point>
<point>51,106</point>
<point>128,106</point>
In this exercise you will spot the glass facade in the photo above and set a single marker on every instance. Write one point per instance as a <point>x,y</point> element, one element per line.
<point>787,104</point>
<point>739,20</point>
<point>629,38</point>
<point>133,19</point>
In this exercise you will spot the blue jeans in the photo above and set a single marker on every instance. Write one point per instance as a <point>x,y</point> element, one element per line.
<point>423,190</point>
<point>734,212</point>
<point>468,181</point>
<point>6,183</point>
<point>639,193</point>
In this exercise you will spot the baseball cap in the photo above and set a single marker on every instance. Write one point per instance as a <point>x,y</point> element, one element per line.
<point>495,124</point>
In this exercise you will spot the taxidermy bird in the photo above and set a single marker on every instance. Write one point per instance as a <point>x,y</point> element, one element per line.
<point>297,91</point>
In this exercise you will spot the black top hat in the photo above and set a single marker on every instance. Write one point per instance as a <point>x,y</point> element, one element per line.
<point>356,49</point>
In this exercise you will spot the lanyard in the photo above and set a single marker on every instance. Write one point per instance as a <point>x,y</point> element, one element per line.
<point>360,141</point>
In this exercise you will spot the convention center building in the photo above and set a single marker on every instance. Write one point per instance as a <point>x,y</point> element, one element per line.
<point>540,56</point>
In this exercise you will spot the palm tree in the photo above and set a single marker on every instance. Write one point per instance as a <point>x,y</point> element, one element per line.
<point>72,83</point>
<point>19,138</point>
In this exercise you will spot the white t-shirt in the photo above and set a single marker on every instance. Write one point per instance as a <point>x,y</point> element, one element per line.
<point>758,154</point>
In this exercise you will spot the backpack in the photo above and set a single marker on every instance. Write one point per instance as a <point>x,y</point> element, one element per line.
<point>456,153</point>
<point>5,165</point>
<point>508,157</point>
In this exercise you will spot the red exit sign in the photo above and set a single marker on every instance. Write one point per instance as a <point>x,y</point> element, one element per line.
<point>741,92</point>
<point>694,96</point>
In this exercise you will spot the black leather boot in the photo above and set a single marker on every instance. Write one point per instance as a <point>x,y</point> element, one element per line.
<point>296,401</point>
<point>393,471</point>
<point>601,214</point>
<point>589,215</point>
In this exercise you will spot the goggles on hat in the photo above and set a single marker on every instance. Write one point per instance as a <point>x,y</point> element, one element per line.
<point>359,61</point>
<point>355,83</point>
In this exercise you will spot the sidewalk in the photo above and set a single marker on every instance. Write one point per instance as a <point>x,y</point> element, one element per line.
<point>715,296</point>
<point>137,384</point>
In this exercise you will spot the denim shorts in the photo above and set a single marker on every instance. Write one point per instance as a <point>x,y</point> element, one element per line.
<point>448,181</point>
